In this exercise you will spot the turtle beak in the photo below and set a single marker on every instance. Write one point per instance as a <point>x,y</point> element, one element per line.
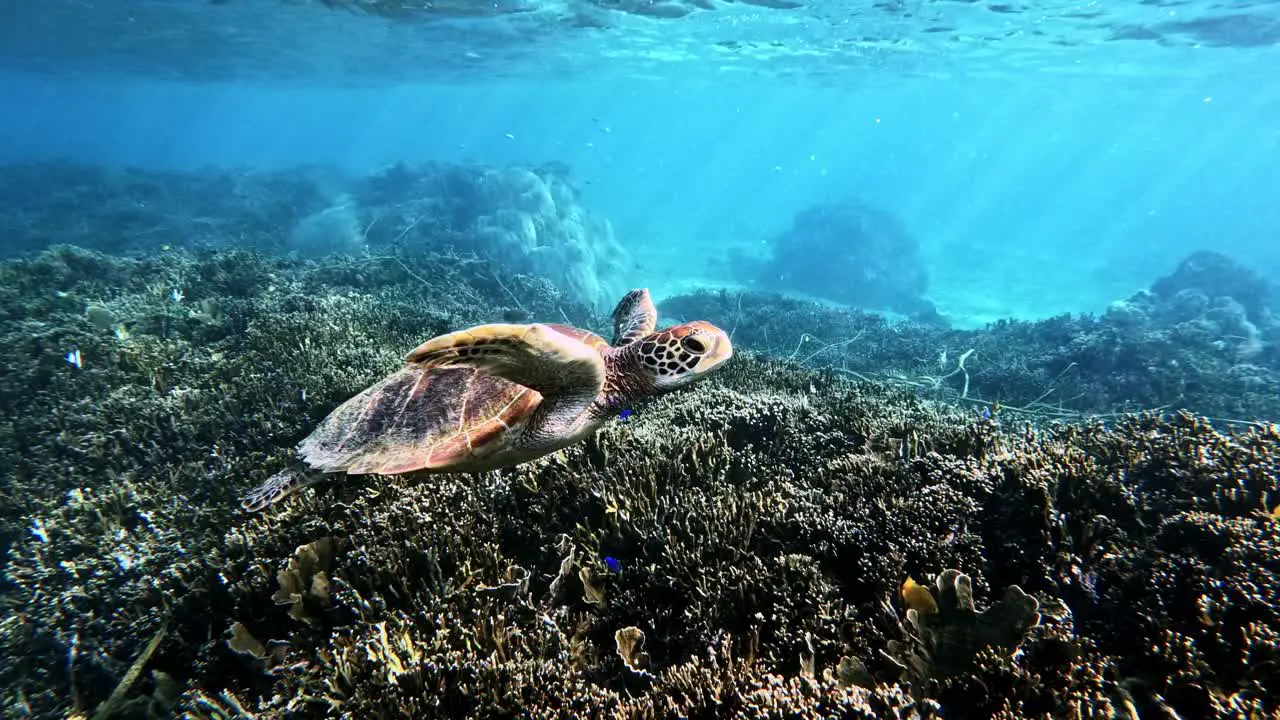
<point>719,349</point>
<point>712,342</point>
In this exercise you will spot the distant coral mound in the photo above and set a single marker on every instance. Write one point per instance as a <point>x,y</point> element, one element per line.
<point>851,252</point>
<point>1211,300</point>
<point>506,220</point>
<point>525,220</point>
<point>1189,352</point>
<point>335,229</point>
<point>1214,275</point>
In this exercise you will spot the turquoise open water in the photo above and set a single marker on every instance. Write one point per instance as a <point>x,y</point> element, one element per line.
<point>1048,158</point>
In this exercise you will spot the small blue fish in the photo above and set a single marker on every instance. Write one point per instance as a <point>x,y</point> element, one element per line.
<point>612,563</point>
<point>624,414</point>
<point>985,413</point>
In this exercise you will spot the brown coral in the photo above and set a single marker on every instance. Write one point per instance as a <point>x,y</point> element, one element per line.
<point>763,525</point>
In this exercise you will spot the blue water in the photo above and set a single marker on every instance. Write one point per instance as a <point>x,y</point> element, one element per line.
<point>1033,159</point>
<point>1039,178</point>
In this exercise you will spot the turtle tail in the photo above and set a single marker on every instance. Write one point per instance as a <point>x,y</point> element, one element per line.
<point>278,486</point>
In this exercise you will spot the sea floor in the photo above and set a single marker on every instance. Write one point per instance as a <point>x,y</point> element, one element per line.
<point>857,516</point>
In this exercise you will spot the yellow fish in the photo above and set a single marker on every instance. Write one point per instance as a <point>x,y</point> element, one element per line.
<point>918,598</point>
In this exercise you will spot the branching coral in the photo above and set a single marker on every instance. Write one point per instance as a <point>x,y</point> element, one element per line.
<point>1139,355</point>
<point>946,633</point>
<point>756,530</point>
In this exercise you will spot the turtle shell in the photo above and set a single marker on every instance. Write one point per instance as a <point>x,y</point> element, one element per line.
<point>450,418</point>
<point>585,336</point>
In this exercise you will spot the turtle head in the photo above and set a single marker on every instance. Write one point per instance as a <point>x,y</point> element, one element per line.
<point>677,356</point>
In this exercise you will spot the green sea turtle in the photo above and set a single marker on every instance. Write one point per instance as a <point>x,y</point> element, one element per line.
<point>498,395</point>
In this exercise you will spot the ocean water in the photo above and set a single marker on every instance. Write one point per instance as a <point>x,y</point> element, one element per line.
<point>1047,159</point>
<point>997,437</point>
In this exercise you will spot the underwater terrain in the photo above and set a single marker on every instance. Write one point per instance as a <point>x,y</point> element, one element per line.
<point>999,437</point>
<point>865,514</point>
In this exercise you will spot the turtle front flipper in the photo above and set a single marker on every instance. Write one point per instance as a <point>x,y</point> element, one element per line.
<point>634,317</point>
<point>535,356</point>
<point>278,486</point>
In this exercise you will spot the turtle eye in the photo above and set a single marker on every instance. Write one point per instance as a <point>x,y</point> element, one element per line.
<point>694,345</point>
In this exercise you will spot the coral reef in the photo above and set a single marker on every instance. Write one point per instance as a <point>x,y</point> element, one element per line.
<point>1184,344</point>
<point>506,221</point>
<point>739,549</point>
<point>114,460</point>
<point>851,252</point>
<point>524,220</point>
<point>946,633</point>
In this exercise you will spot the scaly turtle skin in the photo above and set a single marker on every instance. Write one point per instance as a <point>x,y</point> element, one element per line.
<point>498,395</point>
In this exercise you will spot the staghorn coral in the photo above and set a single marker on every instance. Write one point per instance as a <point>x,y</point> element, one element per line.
<point>759,528</point>
<point>118,470</point>
<point>767,563</point>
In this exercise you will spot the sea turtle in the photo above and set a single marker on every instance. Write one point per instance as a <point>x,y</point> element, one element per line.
<point>498,395</point>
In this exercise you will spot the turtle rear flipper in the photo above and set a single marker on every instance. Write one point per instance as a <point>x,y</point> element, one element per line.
<point>278,486</point>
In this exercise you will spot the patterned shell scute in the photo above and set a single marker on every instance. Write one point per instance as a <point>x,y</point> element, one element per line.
<point>588,338</point>
<point>418,419</point>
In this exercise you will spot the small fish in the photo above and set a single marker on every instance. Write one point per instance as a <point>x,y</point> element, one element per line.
<point>625,414</point>
<point>612,563</point>
<point>73,357</point>
<point>918,598</point>
<point>985,413</point>
<point>176,295</point>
